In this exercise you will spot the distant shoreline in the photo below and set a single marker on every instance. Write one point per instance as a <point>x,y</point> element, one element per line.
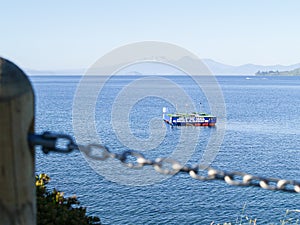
<point>295,72</point>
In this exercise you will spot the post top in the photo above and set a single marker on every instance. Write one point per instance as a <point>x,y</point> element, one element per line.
<point>13,81</point>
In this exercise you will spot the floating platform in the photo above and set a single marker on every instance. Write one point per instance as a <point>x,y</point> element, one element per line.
<point>189,119</point>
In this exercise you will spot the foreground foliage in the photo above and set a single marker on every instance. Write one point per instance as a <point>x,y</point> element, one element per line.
<point>53,208</point>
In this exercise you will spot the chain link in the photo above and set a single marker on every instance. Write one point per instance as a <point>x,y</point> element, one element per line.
<point>53,142</point>
<point>65,144</point>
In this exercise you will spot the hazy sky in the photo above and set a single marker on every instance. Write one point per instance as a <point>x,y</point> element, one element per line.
<point>74,34</point>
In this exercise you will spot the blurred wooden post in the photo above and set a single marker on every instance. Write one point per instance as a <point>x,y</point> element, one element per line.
<point>17,181</point>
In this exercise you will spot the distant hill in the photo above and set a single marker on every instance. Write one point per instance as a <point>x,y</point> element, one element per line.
<point>295,72</point>
<point>246,69</point>
<point>215,67</point>
<point>54,72</point>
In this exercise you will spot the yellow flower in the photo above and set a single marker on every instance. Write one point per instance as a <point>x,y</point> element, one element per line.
<point>39,183</point>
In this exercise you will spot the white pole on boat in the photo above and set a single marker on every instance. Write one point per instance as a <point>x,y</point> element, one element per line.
<point>164,111</point>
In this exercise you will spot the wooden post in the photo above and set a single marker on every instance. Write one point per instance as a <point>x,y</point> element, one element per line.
<point>17,181</point>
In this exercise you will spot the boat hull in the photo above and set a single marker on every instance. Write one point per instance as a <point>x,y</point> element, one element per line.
<point>193,119</point>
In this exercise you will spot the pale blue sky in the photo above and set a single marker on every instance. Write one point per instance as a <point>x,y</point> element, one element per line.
<point>49,35</point>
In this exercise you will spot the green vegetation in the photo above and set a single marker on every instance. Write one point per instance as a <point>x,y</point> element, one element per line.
<point>53,208</point>
<point>295,72</point>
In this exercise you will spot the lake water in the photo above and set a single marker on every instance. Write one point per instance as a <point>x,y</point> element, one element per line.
<point>262,137</point>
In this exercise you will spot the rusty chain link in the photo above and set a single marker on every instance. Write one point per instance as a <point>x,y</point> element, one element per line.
<point>63,143</point>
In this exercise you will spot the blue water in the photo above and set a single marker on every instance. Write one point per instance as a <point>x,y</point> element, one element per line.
<point>262,137</point>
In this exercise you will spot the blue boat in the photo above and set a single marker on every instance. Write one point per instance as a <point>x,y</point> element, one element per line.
<point>189,119</point>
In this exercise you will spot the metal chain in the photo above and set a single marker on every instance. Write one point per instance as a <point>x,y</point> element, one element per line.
<point>65,144</point>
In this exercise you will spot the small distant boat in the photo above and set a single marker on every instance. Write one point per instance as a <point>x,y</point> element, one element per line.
<point>189,119</point>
